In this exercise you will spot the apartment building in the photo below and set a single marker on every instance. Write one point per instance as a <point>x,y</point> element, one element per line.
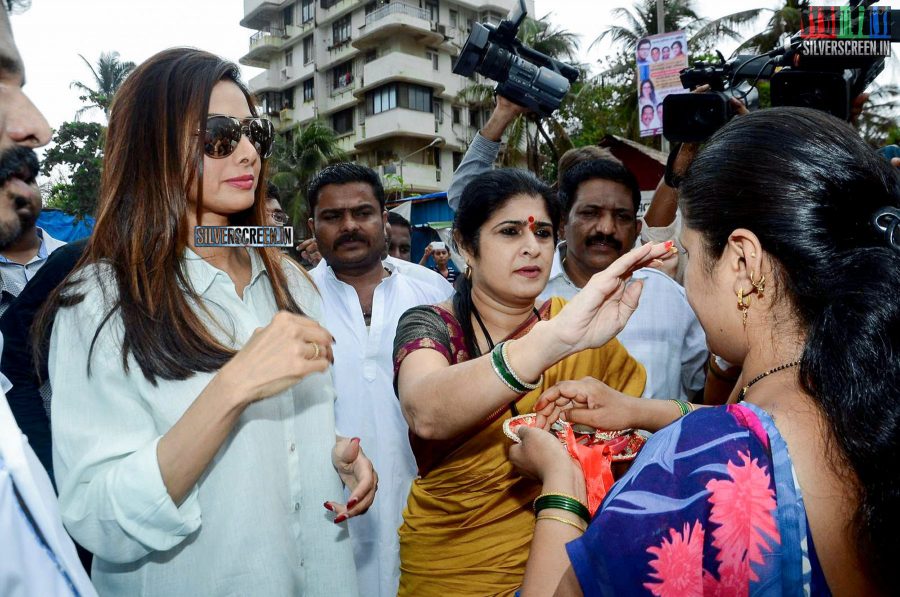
<point>379,73</point>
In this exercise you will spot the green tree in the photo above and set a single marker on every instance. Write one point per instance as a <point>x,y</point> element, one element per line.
<point>109,74</point>
<point>76,148</point>
<point>783,22</point>
<point>295,162</point>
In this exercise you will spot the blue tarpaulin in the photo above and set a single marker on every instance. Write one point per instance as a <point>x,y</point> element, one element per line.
<point>62,226</point>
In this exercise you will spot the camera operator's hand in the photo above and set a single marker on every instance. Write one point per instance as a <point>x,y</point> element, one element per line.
<point>504,113</point>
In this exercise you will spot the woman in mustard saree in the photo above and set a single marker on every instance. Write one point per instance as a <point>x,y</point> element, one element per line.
<point>468,522</point>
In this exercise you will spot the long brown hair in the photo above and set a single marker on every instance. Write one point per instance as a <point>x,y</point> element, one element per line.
<point>153,158</point>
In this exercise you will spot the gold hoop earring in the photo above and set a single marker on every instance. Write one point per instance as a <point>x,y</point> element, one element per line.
<point>759,285</point>
<point>743,305</point>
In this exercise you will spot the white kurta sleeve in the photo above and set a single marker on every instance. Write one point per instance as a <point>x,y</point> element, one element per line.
<point>111,494</point>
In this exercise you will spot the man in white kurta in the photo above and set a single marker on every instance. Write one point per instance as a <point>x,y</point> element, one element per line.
<point>364,294</point>
<point>367,406</point>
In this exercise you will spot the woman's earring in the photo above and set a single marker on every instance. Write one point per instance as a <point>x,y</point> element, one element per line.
<point>743,305</point>
<point>759,285</point>
<point>468,273</point>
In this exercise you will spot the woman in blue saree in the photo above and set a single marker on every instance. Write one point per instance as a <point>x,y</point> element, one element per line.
<point>792,225</point>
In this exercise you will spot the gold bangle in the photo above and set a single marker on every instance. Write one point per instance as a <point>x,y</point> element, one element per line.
<point>562,520</point>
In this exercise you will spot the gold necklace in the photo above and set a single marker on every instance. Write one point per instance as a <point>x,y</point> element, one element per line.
<point>765,374</point>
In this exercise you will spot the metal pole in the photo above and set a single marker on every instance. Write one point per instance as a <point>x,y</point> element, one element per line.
<point>401,179</point>
<point>661,28</point>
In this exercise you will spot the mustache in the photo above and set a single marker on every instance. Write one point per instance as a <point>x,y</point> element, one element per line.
<point>606,239</point>
<point>350,237</point>
<point>19,162</point>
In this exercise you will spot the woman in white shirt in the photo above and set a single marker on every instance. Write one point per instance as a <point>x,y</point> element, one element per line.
<point>193,382</point>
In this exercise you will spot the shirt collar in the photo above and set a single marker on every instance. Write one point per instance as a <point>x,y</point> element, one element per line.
<point>201,274</point>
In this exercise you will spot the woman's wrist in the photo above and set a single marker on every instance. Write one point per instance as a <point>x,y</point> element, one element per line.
<point>566,480</point>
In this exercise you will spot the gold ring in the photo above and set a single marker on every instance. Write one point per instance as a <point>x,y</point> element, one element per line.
<point>317,352</point>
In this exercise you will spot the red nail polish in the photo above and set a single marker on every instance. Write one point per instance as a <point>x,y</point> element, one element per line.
<point>329,507</point>
<point>340,519</point>
<point>669,244</point>
<point>355,439</point>
<point>352,502</point>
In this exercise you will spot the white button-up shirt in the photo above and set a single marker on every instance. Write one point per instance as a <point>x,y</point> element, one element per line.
<point>663,334</point>
<point>254,523</point>
<point>368,408</point>
<point>36,555</point>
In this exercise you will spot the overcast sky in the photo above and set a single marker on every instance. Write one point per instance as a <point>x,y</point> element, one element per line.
<point>52,33</point>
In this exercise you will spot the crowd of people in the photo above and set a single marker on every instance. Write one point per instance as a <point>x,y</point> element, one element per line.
<point>181,419</point>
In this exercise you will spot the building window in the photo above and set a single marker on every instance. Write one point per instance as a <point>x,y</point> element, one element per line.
<point>342,122</point>
<point>432,55</point>
<point>475,118</point>
<point>328,3</point>
<point>289,57</point>
<point>342,75</point>
<point>457,160</point>
<point>288,15</point>
<point>370,56</point>
<point>307,10</point>
<point>454,18</point>
<point>307,49</point>
<point>381,100</point>
<point>416,97</point>
<point>432,9</point>
<point>309,89</point>
<point>438,109</point>
<point>457,115</point>
<point>340,31</point>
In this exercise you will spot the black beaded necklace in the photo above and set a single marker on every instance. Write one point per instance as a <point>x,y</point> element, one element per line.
<point>765,374</point>
<point>512,405</point>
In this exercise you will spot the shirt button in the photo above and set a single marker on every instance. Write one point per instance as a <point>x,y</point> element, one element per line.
<point>296,506</point>
<point>293,447</point>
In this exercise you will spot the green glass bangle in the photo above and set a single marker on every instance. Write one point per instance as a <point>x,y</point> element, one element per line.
<point>527,386</point>
<point>682,406</point>
<point>561,502</point>
<point>502,372</point>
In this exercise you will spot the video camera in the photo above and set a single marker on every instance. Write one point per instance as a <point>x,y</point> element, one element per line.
<point>524,75</point>
<point>797,78</point>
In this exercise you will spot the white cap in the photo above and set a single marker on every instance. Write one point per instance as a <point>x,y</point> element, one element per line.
<point>438,246</point>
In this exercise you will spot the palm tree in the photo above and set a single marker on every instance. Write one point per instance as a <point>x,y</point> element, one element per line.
<point>641,21</point>
<point>108,77</point>
<point>294,164</point>
<point>523,137</point>
<point>782,23</point>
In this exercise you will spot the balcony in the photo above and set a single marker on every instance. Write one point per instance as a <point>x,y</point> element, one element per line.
<point>398,19</point>
<point>399,66</point>
<point>398,122</point>
<point>268,80</point>
<point>346,143</point>
<point>339,95</point>
<point>416,177</point>
<point>263,46</point>
<point>285,119</point>
<point>337,53</point>
<point>330,10</point>
<point>259,13</point>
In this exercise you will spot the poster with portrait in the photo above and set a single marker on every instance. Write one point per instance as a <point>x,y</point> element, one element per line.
<point>659,60</point>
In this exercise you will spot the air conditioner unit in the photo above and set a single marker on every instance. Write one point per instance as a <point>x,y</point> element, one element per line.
<point>442,29</point>
<point>287,73</point>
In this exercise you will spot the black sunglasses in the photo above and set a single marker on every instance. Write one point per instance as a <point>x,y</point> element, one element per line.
<point>223,133</point>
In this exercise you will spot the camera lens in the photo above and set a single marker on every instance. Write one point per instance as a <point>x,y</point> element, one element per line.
<point>496,63</point>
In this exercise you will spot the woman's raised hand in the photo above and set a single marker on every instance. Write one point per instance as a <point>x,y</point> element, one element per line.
<point>278,356</point>
<point>601,309</point>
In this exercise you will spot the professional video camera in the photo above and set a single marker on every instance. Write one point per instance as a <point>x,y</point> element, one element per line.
<point>524,75</point>
<point>797,78</point>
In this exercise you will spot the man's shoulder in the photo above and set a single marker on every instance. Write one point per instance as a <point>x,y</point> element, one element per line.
<point>422,279</point>
<point>50,243</point>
